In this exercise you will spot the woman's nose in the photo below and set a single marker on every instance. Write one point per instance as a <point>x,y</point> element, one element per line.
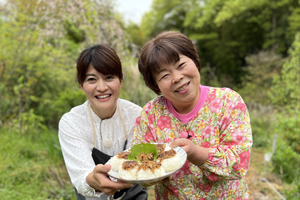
<point>177,76</point>
<point>101,86</point>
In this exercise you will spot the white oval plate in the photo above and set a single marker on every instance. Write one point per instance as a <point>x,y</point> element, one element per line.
<point>115,174</point>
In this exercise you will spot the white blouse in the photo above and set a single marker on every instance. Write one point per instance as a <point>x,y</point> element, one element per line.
<point>76,139</point>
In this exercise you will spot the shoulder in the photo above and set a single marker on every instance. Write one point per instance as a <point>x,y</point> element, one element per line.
<point>223,93</point>
<point>154,103</point>
<point>128,106</point>
<point>76,114</point>
<point>130,111</point>
<point>155,106</point>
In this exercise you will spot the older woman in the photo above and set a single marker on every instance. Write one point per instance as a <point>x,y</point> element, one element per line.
<point>211,124</point>
<point>99,128</point>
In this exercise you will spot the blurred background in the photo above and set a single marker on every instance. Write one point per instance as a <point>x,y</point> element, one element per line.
<point>252,47</point>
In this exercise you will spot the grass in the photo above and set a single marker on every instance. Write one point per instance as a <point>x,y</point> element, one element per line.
<point>31,167</point>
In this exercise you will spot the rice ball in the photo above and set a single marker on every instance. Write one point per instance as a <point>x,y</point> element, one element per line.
<point>150,169</point>
<point>168,148</point>
<point>170,160</point>
<point>128,170</point>
<point>117,160</point>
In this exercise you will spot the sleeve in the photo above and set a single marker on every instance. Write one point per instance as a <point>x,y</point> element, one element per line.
<point>229,159</point>
<point>144,131</point>
<point>77,156</point>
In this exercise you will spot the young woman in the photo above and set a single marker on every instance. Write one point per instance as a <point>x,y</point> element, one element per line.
<point>211,124</point>
<point>99,128</point>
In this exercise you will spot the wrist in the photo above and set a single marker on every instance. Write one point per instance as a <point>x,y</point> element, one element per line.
<point>89,181</point>
<point>199,155</point>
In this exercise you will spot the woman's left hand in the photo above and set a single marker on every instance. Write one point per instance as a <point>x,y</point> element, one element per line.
<point>195,154</point>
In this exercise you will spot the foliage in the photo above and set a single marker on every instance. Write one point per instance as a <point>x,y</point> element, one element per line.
<point>286,161</point>
<point>260,72</point>
<point>262,130</point>
<point>40,41</point>
<point>285,95</point>
<point>285,92</point>
<point>226,31</point>
<point>147,148</point>
<point>134,88</point>
<point>32,166</point>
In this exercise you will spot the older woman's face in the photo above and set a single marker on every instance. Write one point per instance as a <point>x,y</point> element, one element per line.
<point>179,83</point>
<point>102,91</point>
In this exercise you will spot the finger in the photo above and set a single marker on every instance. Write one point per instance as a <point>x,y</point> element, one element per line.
<point>102,168</point>
<point>130,184</point>
<point>109,191</point>
<point>119,185</point>
<point>112,188</point>
<point>177,142</point>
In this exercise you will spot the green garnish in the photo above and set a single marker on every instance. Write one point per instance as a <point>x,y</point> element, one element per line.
<point>136,150</point>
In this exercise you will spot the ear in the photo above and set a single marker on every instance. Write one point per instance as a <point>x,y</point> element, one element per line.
<point>121,81</point>
<point>81,87</point>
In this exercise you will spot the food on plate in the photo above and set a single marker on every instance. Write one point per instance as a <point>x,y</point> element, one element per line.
<point>117,160</point>
<point>160,147</point>
<point>150,169</point>
<point>133,170</point>
<point>128,169</point>
<point>170,160</point>
<point>146,161</point>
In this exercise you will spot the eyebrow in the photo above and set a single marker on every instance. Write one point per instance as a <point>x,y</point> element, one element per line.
<point>90,75</point>
<point>160,70</point>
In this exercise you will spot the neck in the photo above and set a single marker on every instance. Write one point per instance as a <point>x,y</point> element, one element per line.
<point>184,109</point>
<point>187,107</point>
<point>104,113</point>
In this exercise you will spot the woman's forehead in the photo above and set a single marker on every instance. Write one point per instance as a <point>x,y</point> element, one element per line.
<point>163,60</point>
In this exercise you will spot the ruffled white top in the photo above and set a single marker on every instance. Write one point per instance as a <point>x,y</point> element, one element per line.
<point>76,138</point>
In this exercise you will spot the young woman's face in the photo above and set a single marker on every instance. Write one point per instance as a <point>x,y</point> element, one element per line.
<point>102,91</point>
<point>179,83</point>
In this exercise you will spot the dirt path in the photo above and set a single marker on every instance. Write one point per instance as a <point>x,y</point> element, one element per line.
<point>258,171</point>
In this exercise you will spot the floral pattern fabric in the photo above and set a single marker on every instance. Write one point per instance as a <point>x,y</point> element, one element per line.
<point>223,126</point>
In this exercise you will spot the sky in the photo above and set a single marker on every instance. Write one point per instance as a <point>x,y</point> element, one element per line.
<point>133,9</point>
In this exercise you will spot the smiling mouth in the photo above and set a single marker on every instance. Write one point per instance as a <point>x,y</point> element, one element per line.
<point>103,96</point>
<point>182,88</point>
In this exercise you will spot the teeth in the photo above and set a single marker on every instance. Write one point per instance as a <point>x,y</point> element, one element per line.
<point>182,88</point>
<point>102,97</point>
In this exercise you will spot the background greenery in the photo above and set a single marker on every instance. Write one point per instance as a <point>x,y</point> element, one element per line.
<point>252,47</point>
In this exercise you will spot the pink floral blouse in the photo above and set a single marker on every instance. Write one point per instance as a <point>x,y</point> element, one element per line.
<point>223,125</point>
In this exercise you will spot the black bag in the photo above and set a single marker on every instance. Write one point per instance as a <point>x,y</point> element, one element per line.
<point>135,192</point>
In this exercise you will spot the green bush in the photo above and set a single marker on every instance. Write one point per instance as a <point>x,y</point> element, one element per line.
<point>262,131</point>
<point>286,161</point>
<point>289,128</point>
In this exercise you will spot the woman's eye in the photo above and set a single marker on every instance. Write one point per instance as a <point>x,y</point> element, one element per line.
<point>181,65</point>
<point>164,76</point>
<point>91,79</point>
<point>109,77</point>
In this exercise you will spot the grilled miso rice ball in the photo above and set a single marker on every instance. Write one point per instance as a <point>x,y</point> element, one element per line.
<point>117,160</point>
<point>150,169</point>
<point>129,169</point>
<point>170,160</point>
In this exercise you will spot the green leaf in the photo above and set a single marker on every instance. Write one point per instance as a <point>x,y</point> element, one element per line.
<point>143,147</point>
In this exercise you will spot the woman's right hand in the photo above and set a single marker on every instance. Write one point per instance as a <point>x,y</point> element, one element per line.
<point>98,179</point>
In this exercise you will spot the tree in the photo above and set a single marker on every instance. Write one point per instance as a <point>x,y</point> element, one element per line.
<point>40,41</point>
<point>285,91</point>
<point>226,31</point>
